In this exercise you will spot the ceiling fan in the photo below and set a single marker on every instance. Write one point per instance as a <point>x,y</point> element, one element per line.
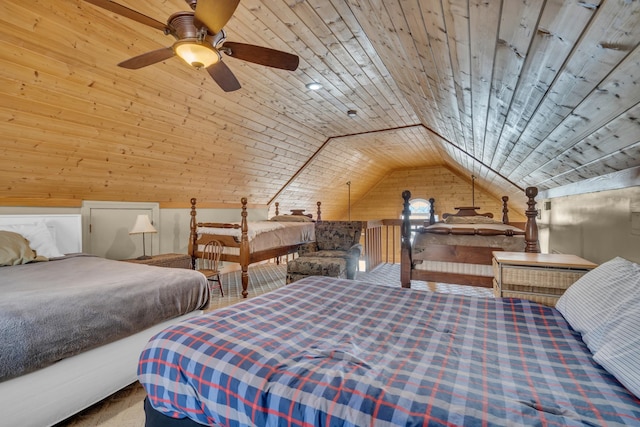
<point>200,40</point>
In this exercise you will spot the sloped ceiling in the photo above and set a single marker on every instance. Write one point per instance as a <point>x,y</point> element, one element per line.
<point>516,93</point>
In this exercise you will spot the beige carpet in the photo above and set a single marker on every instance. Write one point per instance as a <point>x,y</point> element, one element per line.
<point>124,408</point>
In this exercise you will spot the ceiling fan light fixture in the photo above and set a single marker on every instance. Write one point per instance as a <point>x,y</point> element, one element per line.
<point>198,55</point>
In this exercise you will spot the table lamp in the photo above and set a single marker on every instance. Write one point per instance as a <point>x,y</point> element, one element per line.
<point>143,225</point>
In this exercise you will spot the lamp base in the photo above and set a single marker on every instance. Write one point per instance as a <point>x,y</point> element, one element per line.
<point>144,257</point>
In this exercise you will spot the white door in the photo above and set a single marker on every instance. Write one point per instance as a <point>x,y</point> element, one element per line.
<point>108,225</point>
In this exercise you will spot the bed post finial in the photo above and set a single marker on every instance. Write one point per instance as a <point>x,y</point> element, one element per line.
<point>505,210</point>
<point>244,215</point>
<point>432,211</point>
<point>319,212</point>
<point>277,208</point>
<point>405,242</point>
<point>193,235</point>
<point>531,229</point>
<point>406,214</point>
<point>244,248</point>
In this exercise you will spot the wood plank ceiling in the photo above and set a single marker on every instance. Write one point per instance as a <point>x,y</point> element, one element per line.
<point>517,93</point>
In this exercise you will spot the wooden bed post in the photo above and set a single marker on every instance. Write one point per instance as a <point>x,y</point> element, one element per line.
<point>193,235</point>
<point>505,209</point>
<point>277,208</point>
<point>405,243</point>
<point>319,212</point>
<point>244,248</point>
<point>432,211</point>
<point>531,229</point>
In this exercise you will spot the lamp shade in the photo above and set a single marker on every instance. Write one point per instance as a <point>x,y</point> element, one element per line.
<point>142,225</point>
<point>198,55</point>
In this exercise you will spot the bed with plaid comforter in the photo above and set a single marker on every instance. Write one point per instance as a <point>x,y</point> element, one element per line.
<point>334,352</point>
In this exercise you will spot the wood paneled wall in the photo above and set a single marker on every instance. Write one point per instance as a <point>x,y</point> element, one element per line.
<point>446,187</point>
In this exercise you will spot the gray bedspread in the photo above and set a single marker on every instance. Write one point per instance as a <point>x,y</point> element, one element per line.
<point>56,309</point>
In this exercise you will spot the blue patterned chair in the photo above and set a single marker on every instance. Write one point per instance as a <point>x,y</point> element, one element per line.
<point>335,253</point>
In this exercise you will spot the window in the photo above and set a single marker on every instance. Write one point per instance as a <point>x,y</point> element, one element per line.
<point>420,208</point>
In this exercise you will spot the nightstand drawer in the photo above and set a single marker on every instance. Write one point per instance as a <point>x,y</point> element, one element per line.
<point>546,296</point>
<point>540,277</point>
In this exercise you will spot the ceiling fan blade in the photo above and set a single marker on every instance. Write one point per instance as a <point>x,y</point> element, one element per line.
<point>147,58</point>
<point>215,14</point>
<point>262,55</point>
<point>223,76</point>
<point>128,13</point>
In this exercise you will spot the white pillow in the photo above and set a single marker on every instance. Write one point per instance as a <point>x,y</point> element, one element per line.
<point>619,346</point>
<point>39,237</point>
<point>593,298</point>
<point>604,306</point>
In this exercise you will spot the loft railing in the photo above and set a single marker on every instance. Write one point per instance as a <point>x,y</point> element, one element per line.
<point>381,241</point>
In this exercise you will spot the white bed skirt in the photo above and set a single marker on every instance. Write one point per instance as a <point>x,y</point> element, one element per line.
<point>50,395</point>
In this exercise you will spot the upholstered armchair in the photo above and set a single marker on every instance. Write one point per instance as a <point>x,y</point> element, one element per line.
<point>337,239</point>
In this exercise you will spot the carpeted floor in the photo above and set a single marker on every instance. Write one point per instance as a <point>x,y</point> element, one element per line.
<point>124,408</point>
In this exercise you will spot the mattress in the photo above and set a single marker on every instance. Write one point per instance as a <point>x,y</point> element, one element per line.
<point>263,235</point>
<point>325,351</point>
<point>56,309</point>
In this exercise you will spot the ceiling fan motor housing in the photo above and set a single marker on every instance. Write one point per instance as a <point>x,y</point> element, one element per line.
<point>181,25</point>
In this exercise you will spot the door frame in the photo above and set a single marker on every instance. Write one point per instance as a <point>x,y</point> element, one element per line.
<point>88,205</point>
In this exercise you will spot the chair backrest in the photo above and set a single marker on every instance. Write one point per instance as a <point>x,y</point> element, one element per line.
<point>337,235</point>
<point>210,256</point>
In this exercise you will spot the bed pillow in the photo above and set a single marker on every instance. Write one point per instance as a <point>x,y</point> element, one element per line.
<point>39,238</point>
<point>291,218</point>
<point>604,306</point>
<point>470,220</point>
<point>589,303</point>
<point>619,345</point>
<point>15,250</point>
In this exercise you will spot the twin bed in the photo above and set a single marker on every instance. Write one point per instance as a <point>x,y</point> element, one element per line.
<point>72,326</point>
<point>247,242</point>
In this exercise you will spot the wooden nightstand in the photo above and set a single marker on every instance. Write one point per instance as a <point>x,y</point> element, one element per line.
<point>165,260</point>
<point>541,278</point>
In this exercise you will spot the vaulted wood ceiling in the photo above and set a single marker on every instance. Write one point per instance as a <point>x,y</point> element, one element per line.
<point>517,93</point>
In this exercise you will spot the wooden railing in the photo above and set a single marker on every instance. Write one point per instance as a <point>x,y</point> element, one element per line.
<point>381,241</point>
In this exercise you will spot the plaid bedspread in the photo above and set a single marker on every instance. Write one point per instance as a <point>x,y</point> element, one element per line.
<point>331,352</point>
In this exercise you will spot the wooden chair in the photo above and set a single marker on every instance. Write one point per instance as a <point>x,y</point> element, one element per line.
<point>208,263</point>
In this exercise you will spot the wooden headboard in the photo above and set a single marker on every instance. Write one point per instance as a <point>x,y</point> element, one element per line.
<point>467,211</point>
<point>300,212</point>
<point>66,229</point>
<point>471,211</point>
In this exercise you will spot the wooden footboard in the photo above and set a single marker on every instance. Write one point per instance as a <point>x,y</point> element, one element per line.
<point>477,255</point>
